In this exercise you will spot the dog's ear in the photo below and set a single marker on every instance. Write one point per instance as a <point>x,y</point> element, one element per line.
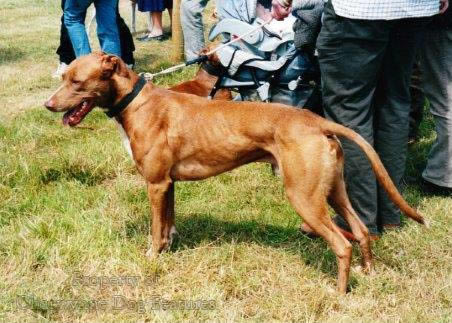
<point>108,64</point>
<point>112,64</point>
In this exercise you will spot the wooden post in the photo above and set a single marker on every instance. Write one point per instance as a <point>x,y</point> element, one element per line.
<point>178,39</point>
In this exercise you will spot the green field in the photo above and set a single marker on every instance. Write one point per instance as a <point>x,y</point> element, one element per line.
<point>74,220</point>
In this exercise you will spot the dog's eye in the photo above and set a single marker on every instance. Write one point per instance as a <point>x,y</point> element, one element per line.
<point>77,85</point>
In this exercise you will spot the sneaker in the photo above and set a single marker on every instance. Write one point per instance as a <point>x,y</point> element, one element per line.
<point>60,70</point>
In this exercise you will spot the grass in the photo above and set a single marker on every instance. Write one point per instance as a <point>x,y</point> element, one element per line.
<point>74,220</point>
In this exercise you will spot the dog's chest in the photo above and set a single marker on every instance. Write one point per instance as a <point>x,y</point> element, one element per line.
<point>124,139</point>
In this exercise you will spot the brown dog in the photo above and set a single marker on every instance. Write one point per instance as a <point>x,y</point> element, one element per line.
<point>203,84</point>
<point>205,78</point>
<point>176,136</point>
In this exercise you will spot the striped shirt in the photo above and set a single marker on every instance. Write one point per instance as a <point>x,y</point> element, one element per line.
<point>385,9</point>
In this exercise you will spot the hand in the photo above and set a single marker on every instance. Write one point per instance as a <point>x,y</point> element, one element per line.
<point>280,12</point>
<point>443,5</point>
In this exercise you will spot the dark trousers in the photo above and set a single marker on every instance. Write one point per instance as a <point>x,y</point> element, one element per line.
<point>66,52</point>
<point>366,67</point>
<point>417,101</point>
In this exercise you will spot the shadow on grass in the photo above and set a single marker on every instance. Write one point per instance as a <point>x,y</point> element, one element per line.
<point>197,228</point>
<point>85,177</point>
<point>10,54</point>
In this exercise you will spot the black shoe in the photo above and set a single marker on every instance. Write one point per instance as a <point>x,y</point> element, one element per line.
<point>433,189</point>
<point>149,38</point>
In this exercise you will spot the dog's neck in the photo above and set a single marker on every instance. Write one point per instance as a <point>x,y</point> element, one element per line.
<point>125,89</point>
<point>124,84</point>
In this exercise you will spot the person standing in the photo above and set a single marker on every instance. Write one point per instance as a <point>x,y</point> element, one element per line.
<point>155,9</point>
<point>436,65</point>
<point>107,28</point>
<point>192,27</point>
<point>366,54</point>
<point>66,53</point>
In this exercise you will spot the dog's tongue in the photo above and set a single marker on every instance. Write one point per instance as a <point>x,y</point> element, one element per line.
<point>75,116</point>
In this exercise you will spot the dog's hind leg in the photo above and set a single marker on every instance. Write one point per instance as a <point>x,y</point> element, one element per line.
<point>339,200</point>
<point>162,201</point>
<point>306,183</point>
<point>313,210</point>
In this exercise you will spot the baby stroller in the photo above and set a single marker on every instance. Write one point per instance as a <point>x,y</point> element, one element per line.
<point>265,65</point>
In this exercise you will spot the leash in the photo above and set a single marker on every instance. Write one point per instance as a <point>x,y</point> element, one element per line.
<point>202,58</point>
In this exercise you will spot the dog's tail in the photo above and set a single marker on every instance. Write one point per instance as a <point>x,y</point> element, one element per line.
<point>380,171</point>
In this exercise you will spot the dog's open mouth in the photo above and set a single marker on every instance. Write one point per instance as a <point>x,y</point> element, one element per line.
<point>74,116</point>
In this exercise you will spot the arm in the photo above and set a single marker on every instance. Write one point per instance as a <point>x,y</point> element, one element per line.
<point>281,9</point>
<point>443,5</point>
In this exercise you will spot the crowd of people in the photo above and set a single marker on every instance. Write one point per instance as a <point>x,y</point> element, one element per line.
<point>365,51</point>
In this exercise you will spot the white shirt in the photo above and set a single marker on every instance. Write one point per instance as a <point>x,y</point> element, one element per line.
<point>385,9</point>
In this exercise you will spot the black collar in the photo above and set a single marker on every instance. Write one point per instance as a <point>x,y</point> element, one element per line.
<point>214,70</point>
<point>125,101</point>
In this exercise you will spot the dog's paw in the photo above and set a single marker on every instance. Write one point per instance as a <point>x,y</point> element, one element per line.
<point>366,269</point>
<point>151,254</point>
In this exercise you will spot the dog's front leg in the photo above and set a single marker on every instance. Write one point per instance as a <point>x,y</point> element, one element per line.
<point>162,216</point>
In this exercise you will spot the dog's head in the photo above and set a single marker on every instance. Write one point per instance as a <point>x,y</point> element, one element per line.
<point>212,58</point>
<point>89,81</point>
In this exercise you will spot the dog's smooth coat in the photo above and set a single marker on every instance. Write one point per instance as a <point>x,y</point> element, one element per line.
<point>201,86</point>
<point>176,136</point>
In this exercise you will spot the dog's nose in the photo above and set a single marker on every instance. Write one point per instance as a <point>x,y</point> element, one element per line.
<point>50,104</point>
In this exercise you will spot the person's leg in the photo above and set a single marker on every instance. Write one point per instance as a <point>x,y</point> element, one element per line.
<point>65,50</point>
<point>74,20</point>
<point>351,54</point>
<point>107,27</point>
<point>170,12</point>
<point>192,26</point>
<point>417,102</point>
<point>126,39</point>
<point>157,29</point>
<point>392,109</point>
<point>169,5</point>
<point>436,66</point>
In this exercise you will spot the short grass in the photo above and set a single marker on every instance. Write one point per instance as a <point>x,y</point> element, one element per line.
<point>74,219</point>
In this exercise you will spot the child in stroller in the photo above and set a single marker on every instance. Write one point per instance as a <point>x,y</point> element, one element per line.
<point>274,63</point>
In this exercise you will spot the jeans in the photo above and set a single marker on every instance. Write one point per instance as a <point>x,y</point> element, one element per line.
<point>107,28</point>
<point>192,26</point>
<point>366,67</point>
<point>66,52</point>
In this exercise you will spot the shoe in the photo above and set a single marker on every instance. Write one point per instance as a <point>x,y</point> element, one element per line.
<point>307,230</point>
<point>433,189</point>
<point>60,70</point>
<point>148,37</point>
